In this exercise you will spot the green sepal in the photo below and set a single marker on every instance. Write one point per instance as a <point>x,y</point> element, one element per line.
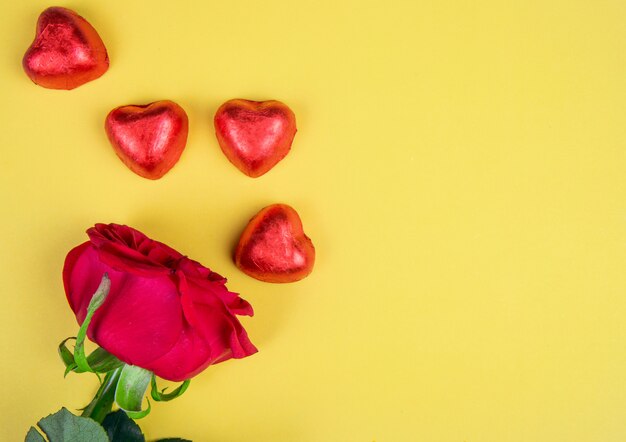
<point>96,301</point>
<point>161,396</point>
<point>101,361</point>
<point>141,413</point>
<point>131,389</point>
<point>67,356</point>
<point>65,353</point>
<point>69,369</point>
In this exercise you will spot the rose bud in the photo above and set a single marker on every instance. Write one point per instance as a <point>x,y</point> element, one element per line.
<point>149,138</point>
<point>67,51</point>
<point>164,312</point>
<point>255,135</point>
<point>274,248</point>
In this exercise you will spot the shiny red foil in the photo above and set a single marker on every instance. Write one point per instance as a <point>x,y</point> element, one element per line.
<point>274,248</point>
<point>255,135</point>
<point>150,138</point>
<point>67,51</point>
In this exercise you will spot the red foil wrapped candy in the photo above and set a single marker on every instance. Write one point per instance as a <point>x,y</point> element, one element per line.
<point>255,135</point>
<point>67,51</point>
<point>149,138</point>
<point>274,248</point>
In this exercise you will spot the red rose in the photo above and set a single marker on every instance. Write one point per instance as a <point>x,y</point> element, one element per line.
<point>164,312</point>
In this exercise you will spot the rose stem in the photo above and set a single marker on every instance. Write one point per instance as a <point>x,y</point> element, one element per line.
<point>102,403</point>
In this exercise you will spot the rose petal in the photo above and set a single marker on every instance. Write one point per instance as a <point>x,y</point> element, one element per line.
<point>77,282</point>
<point>140,321</point>
<point>195,269</point>
<point>122,258</point>
<point>235,303</point>
<point>120,248</point>
<point>126,248</point>
<point>216,324</point>
<point>189,356</point>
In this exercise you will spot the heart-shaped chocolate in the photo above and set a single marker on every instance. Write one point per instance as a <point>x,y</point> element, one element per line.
<point>149,139</point>
<point>67,51</point>
<point>255,135</point>
<point>274,248</point>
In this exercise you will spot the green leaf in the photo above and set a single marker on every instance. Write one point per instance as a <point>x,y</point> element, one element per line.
<point>131,389</point>
<point>121,428</point>
<point>63,426</point>
<point>161,396</point>
<point>96,301</point>
<point>34,436</point>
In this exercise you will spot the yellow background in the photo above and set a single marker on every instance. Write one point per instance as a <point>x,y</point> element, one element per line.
<point>459,167</point>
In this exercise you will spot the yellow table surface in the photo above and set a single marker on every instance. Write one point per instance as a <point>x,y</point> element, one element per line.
<point>459,166</point>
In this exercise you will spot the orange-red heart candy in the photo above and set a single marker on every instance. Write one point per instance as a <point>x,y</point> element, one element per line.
<point>255,135</point>
<point>274,248</point>
<point>150,138</point>
<point>67,51</point>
